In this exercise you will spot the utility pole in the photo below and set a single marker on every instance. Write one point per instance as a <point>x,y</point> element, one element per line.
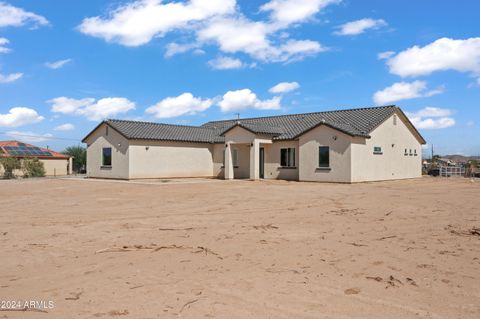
<point>432,153</point>
<point>238,115</point>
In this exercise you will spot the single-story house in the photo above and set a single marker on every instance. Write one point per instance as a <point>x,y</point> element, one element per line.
<point>356,145</point>
<point>55,164</point>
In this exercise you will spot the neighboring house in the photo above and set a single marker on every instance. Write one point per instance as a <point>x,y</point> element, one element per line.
<point>55,164</point>
<point>357,145</point>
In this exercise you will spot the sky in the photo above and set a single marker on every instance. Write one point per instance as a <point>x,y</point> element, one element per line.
<point>67,65</point>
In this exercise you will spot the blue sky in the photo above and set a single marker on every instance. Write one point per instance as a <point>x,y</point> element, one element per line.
<point>66,65</point>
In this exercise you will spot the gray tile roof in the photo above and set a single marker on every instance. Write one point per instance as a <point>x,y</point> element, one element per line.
<point>354,122</point>
<point>257,128</point>
<point>136,130</point>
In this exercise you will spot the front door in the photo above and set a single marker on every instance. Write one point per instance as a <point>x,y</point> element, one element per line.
<point>262,162</point>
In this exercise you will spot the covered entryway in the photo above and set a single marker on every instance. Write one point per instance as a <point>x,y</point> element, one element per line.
<point>254,138</point>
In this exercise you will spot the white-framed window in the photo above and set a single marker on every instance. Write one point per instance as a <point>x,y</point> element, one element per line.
<point>287,157</point>
<point>235,157</point>
<point>377,150</point>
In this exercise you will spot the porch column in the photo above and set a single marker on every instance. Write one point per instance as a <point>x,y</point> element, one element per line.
<point>228,168</point>
<point>255,160</point>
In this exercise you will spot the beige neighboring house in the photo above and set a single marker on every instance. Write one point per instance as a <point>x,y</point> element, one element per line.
<point>55,164</point>
<point>346,146</point>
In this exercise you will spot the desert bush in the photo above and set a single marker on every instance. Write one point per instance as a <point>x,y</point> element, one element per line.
<point>10,164</point>
<point>32,167</point>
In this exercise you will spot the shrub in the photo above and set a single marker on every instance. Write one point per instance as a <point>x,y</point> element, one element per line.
<point>32,167</point>
<point>10,164</point>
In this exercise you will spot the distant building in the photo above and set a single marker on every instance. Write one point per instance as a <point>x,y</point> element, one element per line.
<point>356,145</point>
<point>56,164</point>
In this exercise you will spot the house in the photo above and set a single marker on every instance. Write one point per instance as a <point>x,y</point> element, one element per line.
<point>356,145</point>
<point>55,164</point>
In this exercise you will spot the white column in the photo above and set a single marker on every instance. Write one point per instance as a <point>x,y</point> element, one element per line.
<point>228,169</point>
<point>255,160</point>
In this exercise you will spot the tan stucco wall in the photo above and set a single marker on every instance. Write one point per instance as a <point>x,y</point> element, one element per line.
<point>120,154</point>
<point>242,170</point>
<point>272,161</point>
<point>55,167</point>
<point>170,159</point>
<point>392,164</point>
<point>218,150</point>
<point>340,155</point>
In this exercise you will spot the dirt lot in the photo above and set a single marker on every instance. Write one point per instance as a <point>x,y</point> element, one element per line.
<point>241,249</point>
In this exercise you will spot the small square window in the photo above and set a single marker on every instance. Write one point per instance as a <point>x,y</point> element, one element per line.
<point>107,156</point>
<point>377,150</point>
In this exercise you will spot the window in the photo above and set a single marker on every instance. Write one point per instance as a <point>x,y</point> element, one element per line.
<point>287,157</point>
<point>411,152</point>
<point>324,157</point>
<point>415,152</point>
<point>406,152</point>
<point>107,156</point>
<point>377,150</point>
<point>235,157</point>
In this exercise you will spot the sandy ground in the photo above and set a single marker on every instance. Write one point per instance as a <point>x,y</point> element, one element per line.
<point>241,249</point>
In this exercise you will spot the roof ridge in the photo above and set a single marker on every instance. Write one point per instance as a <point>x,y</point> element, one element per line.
<point>308,113</point>
<point>156,123</point>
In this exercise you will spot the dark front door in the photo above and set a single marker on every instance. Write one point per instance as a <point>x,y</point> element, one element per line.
<point>262,162</point>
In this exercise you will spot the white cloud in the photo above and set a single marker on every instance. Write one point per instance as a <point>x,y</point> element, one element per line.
<point>385,55</point>
<point>234,35</point>
<point>57,64</point>
<point>432,118</point>
<point>64,127</point>
<point>19,116</point>
<point>441,55</point>
<point>3,43</point>
<point>9,78</point>
<point>284,87</point>
<point>226,63</point>
<point>285,12</point>
<point>176,48</point>
<point>90,108</point>
<point>244,99</point>
<point>138,22</point>
<point>29,137</point>
<point>404,91</point>
<point>184,104</point>
<point>11,16</point>
<point>215,22</point>
<point>360,26</point>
